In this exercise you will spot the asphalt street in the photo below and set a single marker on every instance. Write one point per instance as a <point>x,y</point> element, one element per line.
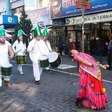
<point>56,92</point>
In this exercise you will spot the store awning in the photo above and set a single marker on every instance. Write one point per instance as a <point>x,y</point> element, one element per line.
<point>93,18</point>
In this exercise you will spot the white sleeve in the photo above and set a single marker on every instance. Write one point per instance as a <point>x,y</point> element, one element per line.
<point>7,43</point>
<point>14,46</point>
<point>48,45</point>
<point>30,46</point>
<point>23,48</point>
<point>42,47</point>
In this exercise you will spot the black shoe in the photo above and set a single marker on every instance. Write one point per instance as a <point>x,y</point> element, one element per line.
<point>78,103</point>
<point>37,82</point>
<point>109,68</point>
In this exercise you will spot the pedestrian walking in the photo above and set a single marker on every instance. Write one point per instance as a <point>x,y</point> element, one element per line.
<point>92,93</point>
<point>19,48</point>
<point>61,45</point>
<point>6,54</point>
<point>71,45</point>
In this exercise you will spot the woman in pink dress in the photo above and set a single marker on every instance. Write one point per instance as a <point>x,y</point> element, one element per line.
<point>92,93</point>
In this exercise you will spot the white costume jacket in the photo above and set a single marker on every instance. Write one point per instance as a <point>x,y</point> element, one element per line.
<point>19,48</point>
<point>4,57</point>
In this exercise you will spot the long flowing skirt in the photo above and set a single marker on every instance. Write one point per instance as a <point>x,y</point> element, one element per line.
<point>92,92</point>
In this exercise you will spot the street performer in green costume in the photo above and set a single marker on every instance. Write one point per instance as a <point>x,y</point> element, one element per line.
<point>6,53</point>
<point>19,48</point>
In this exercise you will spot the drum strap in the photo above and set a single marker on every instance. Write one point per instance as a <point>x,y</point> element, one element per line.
<point>48,47</point>
<point>18,51</point>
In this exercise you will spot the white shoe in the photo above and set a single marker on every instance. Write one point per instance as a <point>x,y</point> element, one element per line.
<point>21,73</point>
<point>47,68</point>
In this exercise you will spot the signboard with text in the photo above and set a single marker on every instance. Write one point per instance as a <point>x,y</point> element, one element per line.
<point>10,20</point>
<point>69,8</point>
<point>94,18</point>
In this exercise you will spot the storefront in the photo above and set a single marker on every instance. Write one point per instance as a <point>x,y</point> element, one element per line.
<point>97,25</point>
<point>97,20</point>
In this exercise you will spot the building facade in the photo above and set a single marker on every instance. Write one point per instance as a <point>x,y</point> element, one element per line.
<point>97,19</point>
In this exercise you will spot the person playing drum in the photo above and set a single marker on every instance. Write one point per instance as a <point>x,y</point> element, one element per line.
<point>35,49</point>
<point>20,51</point>
<point>45,48</point>
<point>6,53</point>
<point>53,57</point>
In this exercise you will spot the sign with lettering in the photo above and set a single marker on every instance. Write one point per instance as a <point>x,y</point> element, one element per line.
<point>94,18</point>
<point>10,20</point>
<point>65,8</point>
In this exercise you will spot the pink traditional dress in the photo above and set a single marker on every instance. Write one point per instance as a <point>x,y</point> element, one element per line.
<point>92,93</point>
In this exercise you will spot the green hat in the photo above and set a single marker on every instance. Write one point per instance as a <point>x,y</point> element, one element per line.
<point>20,33</point>
<point>37,31</point>
<point>45,31</point>
<point>2,32</point>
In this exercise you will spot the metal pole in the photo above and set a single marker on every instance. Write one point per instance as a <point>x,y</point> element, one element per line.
<point>82,43</point>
